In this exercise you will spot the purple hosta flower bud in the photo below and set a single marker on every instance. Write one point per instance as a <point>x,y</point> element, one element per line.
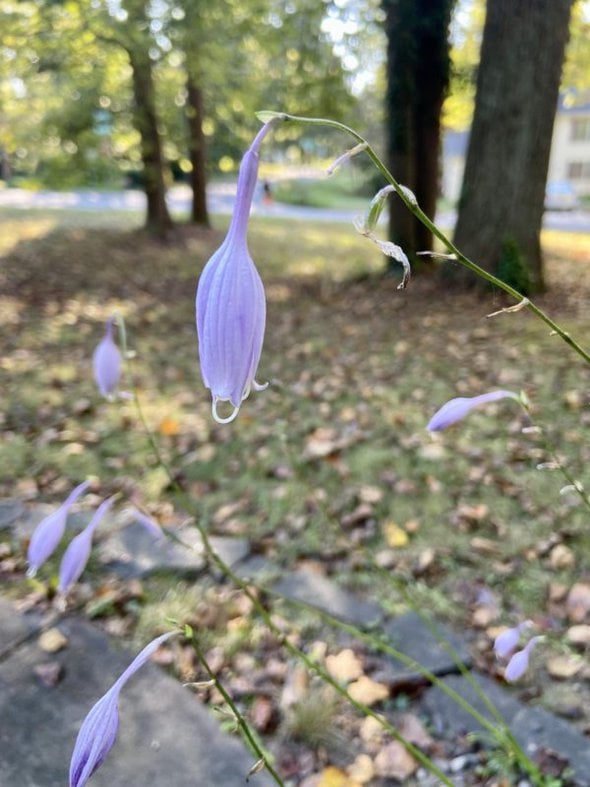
<point>76,555</point>
<point>519,663</point>
<point>152,527</point>
<point>231,305</point>
<point>99,729</point>
<point>107,362</point>
<point>456,409</point>
<point>50,530</point>
<point>506,643</point>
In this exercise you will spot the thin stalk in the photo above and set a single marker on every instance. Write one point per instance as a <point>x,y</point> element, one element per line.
<point>414,208</point>
<point>242,723</point>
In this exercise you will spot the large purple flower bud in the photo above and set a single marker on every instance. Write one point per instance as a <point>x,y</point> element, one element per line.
<point>231,305</point>
<point>99,730</point>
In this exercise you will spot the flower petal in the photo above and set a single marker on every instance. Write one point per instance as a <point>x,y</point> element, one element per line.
<point>519,663</point>
<point>50,530</point>
<point>96,738</point>
<point>99,729</point>
<point>76,555</point>
<point>456,409</point>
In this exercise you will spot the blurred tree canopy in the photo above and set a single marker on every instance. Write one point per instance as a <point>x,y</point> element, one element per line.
<point>66,87</point>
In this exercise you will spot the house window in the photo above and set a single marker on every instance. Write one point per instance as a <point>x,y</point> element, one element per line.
<point>578,170</point>
<point>581,129</point>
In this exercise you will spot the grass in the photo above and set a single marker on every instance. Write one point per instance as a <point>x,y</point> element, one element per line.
<point>345,190</point>
<point>354,365</point>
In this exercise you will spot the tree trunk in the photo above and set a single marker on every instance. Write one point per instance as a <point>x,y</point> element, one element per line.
<point>158,218</point>
<point>418,65</point>
<point>197,152</point>
<point>501,205</point>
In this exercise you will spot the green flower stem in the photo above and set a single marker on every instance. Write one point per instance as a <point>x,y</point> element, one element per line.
<point>242,723</point>
<point>550,449</point>
<point>422,217</point>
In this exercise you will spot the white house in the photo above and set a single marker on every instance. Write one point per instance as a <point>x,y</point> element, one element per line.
<point>570,149</point>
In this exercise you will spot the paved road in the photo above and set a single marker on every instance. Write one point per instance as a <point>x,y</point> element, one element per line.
<point>221,199</point>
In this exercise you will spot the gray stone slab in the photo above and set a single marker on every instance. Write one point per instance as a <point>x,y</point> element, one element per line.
<point>133,552</point>
<point>325,594</point>
<point>533,727</point>
<point>15,628</point>
<point>166,736</point>
<point>231,549</point>
<point>411,636</point>
<point>10,510</point>
<point>258,569</point>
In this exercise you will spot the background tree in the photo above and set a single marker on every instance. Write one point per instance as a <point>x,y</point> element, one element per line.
<point>418,70</point>
<point>135,38</point>
<point>501,205</point>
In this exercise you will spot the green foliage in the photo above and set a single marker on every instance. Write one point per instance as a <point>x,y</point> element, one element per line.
<point>340,191</point>
<point>513,269</point>
<point>62,63</point>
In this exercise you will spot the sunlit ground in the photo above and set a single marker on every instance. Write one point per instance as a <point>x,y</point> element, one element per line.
<point>356,369</point>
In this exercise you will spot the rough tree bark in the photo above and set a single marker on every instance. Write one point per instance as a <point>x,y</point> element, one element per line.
<point>158,218</point>
<point>197,152</point>
<point>418,66</point>
<point>501,205</point>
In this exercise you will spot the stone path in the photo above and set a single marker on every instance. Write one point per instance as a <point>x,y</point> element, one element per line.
<point>166,735</point>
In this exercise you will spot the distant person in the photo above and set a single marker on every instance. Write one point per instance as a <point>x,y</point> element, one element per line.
<point>266,193</point>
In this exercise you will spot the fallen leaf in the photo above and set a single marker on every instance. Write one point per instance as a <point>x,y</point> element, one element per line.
<point>263,715</point>
<point>425,560</point>
<point>412,526</point>
<point>561,557</point>
<point>579,635</point>
<point>371,731</point>
<point>484,546</point>
<point>484,615</point>
<point>394,535</point>
<point>334,777</point>
<point>412,729</point>
<point>344,666</point>
<point>360,514</point>
<point>578,602</point>
<point>469,516</point>
<point>370,494</point>
<point>394,762</point>
<point>49,674</point>
<point>368,691</point>
<point>362,769</point>
<point>564,667</point>
<point>557,591</point>
<point>52,640</point>
<point>169,427</point>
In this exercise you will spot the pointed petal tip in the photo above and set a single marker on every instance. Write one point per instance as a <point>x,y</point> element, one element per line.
<point>456,409</point>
